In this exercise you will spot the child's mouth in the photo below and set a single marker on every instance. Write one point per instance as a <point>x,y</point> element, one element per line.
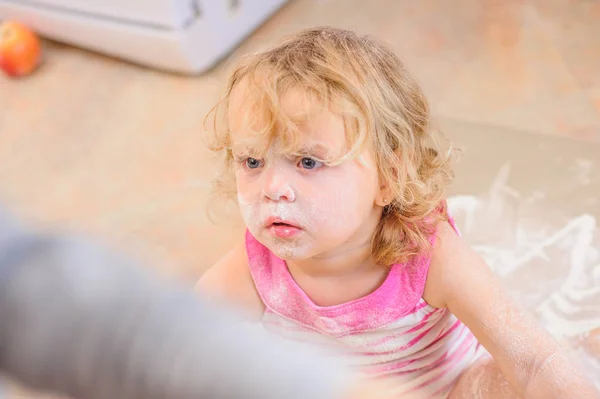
<point>282,229</point>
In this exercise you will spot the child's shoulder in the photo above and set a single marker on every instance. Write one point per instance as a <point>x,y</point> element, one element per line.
<point>229,280</point>
<point>448,250</point>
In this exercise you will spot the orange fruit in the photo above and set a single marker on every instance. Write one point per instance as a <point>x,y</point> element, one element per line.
<point>20,49</point>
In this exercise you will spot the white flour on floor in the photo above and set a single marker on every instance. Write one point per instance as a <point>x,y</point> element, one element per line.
<point>550,263</point>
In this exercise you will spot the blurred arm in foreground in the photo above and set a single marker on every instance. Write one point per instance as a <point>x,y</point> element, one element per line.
<point>79,320</point>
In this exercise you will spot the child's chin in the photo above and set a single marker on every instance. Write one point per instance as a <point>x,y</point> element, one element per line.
<point>290,252</point>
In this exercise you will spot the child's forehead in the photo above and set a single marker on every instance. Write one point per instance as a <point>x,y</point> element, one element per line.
<point>294,120</point>
<point>300,106</point>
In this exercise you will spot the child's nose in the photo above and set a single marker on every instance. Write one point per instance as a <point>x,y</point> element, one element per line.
<point>277,187</point>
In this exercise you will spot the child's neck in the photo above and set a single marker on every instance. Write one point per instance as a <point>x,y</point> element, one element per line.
<point>339,277</point>
<point>343,274</point>
<point>351,258</point>
<point>344,262</point>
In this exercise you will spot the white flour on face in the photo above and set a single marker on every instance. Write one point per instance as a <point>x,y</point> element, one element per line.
<point>256,212</point>
<point>327,210</point>
<point>551,265</point>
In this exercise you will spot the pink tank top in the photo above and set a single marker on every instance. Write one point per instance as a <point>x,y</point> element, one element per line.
<point>391,333</point>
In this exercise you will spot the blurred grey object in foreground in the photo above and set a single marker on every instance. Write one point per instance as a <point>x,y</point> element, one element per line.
<point>77,319</point>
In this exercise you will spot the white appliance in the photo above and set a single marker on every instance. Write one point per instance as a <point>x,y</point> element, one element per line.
<point>183,36</point>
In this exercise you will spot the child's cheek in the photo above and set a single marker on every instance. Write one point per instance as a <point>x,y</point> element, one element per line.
<point>335,202</point>
<point>249,207</point>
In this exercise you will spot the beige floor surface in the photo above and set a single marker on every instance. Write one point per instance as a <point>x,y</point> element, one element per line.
<point>114,150</point>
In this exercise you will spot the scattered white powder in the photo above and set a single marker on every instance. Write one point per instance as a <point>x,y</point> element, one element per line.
<point>582,171</point>
<point>550,265</point>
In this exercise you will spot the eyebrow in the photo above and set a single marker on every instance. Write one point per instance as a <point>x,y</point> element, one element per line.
<point>244,149</point>
<point>318,150</point>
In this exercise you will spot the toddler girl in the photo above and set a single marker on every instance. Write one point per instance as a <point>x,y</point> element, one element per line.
<point>327,146</point>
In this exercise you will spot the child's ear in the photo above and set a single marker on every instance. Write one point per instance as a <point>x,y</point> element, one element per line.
<point>384,196</point>
<point>386,193</point>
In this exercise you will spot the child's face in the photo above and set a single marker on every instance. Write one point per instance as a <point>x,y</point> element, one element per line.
<point>295,205</point>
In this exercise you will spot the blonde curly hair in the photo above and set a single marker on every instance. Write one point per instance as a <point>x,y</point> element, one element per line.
<point>382,105</point>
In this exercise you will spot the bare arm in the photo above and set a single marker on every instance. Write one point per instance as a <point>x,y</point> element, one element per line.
<point>229,281</point>
<point>531,360</point>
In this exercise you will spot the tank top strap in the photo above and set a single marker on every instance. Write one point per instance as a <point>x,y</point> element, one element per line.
<point>453,224</point>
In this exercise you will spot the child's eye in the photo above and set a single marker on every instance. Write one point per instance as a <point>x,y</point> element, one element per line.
<point>252,163</point>
<point>309,163</point>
